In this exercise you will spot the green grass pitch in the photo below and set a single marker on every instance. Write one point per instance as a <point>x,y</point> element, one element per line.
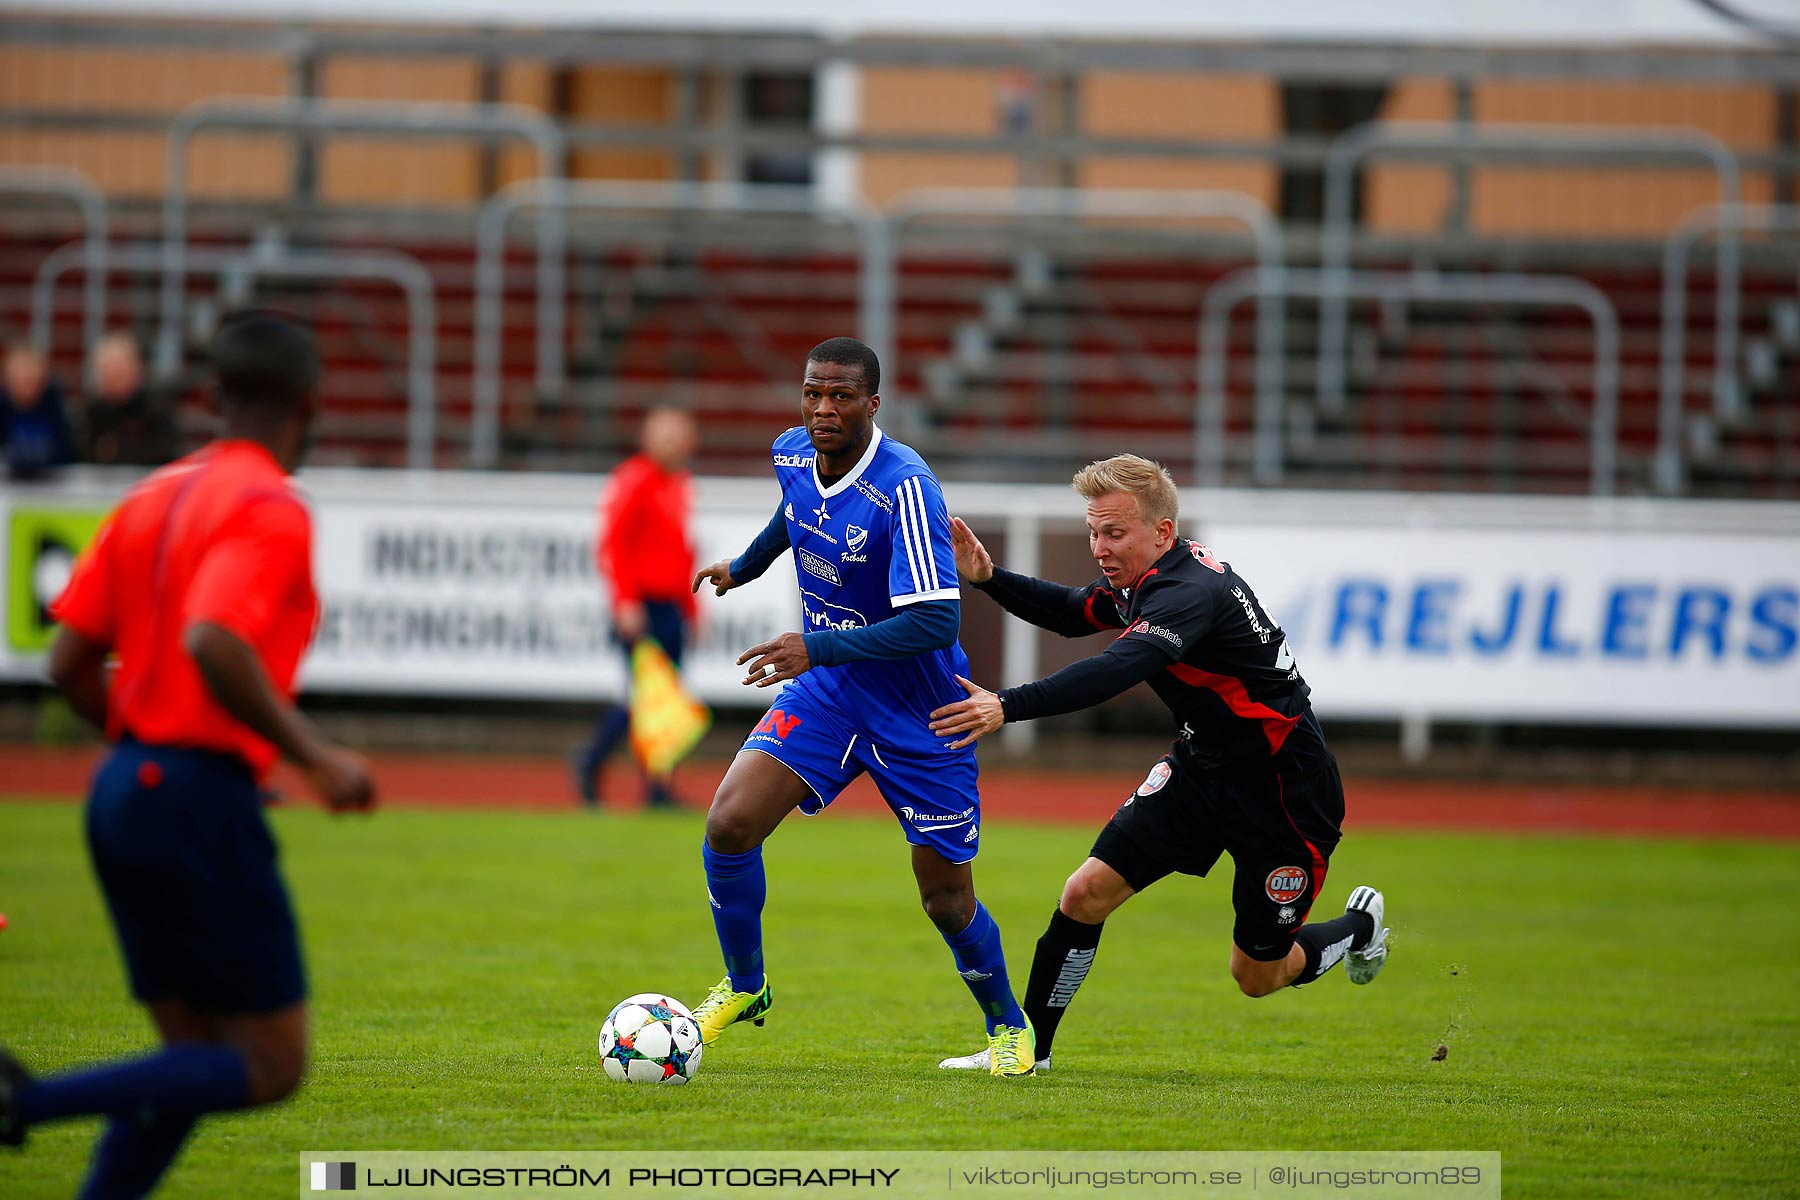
<point>1622,1017</point>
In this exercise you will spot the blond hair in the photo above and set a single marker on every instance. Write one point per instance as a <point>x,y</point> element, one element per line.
<point>1149,481</point>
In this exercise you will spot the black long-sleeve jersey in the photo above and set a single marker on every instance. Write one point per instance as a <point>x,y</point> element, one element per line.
<point>1196,633</point>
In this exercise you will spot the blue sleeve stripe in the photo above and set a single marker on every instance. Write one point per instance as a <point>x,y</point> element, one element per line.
<point>918,539</point>
<point>904,515</point>
<point>905,539</point>
<point>922,528</point>
<point>926,546</point>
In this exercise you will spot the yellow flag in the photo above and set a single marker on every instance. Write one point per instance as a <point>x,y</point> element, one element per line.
<point>666,722</point>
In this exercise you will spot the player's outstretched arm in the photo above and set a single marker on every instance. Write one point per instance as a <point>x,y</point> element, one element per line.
<point>916,629</point>
<point>1071,612</point>
<point>78,669</point>
<point>235,677</point>
<point>1124,664</point>
<point>775,661</point>
<point>973,562</point>
<point>762,552</point>
<point>719,575</point>
<point>971,719</point>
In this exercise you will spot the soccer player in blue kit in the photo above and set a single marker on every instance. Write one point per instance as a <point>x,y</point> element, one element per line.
<point>871,539</point>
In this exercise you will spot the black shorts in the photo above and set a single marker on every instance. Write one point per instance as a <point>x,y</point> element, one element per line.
<point>1279,825</point>
<point>188,865</point>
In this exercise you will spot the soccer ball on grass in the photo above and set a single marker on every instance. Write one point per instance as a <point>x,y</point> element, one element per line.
<point>650,1038</point>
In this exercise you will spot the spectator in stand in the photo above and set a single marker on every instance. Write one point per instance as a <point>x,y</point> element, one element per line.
<point>646,557</point>
<point>34,422</point>
<point>126,425</point>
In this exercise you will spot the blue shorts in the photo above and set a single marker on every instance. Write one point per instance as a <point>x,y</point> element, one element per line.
<point>187,862</point>
<point>932,790</point>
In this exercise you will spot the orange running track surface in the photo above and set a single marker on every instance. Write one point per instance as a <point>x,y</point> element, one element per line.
<point>412,780</point>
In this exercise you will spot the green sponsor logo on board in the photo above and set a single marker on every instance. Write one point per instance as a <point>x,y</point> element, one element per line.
<point>41,547</point>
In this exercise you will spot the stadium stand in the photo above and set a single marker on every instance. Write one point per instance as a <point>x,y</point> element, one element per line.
<point>1024,346</point>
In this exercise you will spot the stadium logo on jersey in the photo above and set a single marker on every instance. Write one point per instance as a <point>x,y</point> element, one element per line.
<point>876,495</point>
<point>793,460</point>
<point>812,564</point>
<point>1153,782</point>
<point>1167,635</point>
<point>822,614</point>
<point>1286,884</point>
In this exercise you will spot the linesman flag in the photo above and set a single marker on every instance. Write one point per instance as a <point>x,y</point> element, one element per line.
<point>666,721</point>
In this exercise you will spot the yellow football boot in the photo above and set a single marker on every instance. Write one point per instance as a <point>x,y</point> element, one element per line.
<point>724,1006</point>
<point>1012,1051</point>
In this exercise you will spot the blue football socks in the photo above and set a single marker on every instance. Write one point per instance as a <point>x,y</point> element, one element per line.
<point>187,1077</point>
<point>737,887</point>
<point>983,967</point>
<point>133,1153</point>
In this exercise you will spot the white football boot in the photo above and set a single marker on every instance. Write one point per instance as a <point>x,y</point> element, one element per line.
<point>983,1060</point>
<point>1365,964</point>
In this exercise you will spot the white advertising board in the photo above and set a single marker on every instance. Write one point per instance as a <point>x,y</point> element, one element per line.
<point>440,585</point>
<point>466,598</point>
<point>1545,625</point>
<point>1483,608</point>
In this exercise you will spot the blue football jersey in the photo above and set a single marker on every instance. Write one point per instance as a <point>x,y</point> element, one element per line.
<point>873,542</point>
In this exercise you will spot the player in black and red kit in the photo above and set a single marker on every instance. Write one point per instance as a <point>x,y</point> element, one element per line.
<point>1249,773</point>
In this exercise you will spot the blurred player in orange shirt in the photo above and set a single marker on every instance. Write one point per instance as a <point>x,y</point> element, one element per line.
<point>646,557</point>
<point>200,583</point>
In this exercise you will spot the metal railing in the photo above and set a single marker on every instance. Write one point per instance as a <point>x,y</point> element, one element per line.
<point>1038,203</point>
<point>406,120</point>
<point>1209,416</point>
<point>403,271</point>
<point>558,197</point>
<point>880,236</point>
<point>85,195</point>
<point>1670,471</point>
<point>1530,142</point>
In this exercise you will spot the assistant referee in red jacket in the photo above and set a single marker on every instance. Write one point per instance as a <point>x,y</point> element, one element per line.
<point>646,558</point>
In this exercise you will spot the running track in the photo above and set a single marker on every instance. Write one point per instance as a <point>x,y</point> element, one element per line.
<point>468,781</point>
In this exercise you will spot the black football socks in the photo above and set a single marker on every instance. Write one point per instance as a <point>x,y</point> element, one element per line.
<point>1326,942</point>
<point>1064,955</point>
